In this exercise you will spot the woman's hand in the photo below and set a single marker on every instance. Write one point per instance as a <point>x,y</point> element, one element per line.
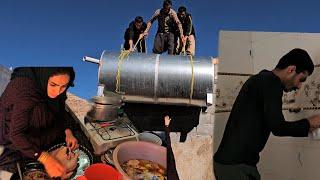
<point>167,120</point>
<point>52,166</point>
<point>71,141</point>
<point>66,158</point>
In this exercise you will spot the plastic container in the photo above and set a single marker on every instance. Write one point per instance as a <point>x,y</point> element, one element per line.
<point>150,137</point>
<point>100,171</point>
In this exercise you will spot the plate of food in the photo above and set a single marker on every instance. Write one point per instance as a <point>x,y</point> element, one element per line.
<point>81,156</point>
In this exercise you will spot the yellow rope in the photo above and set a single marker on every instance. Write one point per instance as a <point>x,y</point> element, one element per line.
<point>192,77</point>
<point>135,46</point>
<point>123,55</point>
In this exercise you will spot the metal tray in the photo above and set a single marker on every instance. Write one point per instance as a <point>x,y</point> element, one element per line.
<point>84,161</point>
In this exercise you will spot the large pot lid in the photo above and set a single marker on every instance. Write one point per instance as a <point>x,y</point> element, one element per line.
<point>108,99</point>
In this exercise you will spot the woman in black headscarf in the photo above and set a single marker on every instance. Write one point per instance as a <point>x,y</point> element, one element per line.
<point>32,116</point>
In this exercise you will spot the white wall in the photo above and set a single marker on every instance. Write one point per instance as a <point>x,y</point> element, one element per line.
<point>268,48</point>
<point>284,158</point>
<point>234,52</point>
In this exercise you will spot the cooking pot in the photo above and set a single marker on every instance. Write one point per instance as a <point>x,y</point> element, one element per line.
<point>105,108</point>
<point>138,150</point>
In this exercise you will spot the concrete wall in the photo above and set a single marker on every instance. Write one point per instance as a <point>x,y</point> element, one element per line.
<point>4,77</point>
<point>284,158</point>
<point>234,57</point>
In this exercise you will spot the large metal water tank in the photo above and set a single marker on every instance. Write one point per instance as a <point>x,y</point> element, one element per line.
<point>155,78</point>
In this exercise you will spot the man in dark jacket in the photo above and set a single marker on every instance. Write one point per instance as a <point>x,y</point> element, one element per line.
<point>257,112</point>
<point>188,44</point>
<point>134,34</point>
<point>167,19</point>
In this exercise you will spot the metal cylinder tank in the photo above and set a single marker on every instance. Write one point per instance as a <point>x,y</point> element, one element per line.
<point>159,79</point>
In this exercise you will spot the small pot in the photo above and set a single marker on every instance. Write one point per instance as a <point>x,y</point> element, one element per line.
<point>103,112</point>
<point>138,150</point>
<point>105,108</point>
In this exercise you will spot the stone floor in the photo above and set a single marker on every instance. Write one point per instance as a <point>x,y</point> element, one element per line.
<point>194,157</point>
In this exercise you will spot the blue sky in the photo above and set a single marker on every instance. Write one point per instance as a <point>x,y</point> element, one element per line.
<point>61,32</point>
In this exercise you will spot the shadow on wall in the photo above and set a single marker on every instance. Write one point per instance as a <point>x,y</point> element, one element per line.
<point>5,74</point>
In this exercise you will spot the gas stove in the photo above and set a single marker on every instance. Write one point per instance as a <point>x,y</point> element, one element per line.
<point>107,135</point>
<point>119,128</point>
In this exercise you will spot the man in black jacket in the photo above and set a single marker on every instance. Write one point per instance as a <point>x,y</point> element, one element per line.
<point>257,112</point>
<point>167,20</point>
<point>134,33</point>
<point>188,44</point>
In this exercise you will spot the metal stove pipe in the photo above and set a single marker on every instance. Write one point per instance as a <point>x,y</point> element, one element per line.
<point>90,59</point>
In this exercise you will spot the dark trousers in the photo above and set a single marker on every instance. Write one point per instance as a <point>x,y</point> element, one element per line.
<point>163,42</point>
<point>235,172</point>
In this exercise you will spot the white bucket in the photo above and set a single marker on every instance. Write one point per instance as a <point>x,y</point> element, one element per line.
<point>150,137</point>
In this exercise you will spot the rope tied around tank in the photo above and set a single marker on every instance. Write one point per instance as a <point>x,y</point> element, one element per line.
<point>192,78</point>
<point>123,55</point>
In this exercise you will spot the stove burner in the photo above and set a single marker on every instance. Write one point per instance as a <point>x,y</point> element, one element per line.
<point>104,135</point>
<point>114,130</point>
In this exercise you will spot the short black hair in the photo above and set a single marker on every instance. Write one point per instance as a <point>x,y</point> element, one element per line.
<point>299,58</point>
<point>182,9</point>
<point>167,2</point>
<point>138,19</point>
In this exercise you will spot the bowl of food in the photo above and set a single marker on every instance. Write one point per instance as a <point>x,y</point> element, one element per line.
<point>141,160</point>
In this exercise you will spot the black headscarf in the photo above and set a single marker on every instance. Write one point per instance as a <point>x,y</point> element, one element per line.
<point>41,76</point>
